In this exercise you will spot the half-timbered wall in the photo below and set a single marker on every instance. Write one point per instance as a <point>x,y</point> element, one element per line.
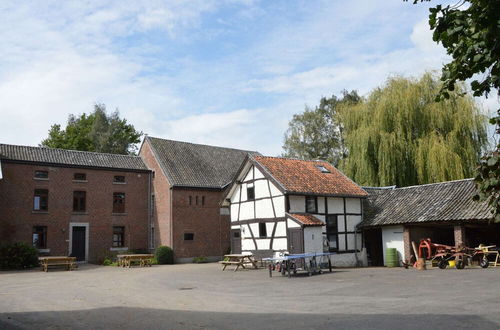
<point>348,213</point>
<point>260,217</point>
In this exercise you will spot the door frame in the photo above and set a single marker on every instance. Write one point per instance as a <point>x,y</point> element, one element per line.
<point>79,224</point>
<point>232,231</point>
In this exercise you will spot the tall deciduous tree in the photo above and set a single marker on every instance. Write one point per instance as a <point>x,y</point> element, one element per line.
<point>400,135</point>
<point>317,133</point>
<point>97,132</point>
<point>470,33</point>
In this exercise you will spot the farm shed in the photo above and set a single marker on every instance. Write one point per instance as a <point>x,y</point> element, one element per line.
<point>443,212</point>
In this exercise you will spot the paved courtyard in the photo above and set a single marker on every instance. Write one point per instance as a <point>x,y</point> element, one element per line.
<point>203,297</point>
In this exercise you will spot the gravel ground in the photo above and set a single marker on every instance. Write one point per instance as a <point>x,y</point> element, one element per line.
<point>202,296</point>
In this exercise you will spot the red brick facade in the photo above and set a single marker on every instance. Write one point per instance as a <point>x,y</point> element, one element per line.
<point>174,217</point>
<point>17,217</point>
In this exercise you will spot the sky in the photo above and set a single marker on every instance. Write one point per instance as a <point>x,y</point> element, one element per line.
<point>228,73</point>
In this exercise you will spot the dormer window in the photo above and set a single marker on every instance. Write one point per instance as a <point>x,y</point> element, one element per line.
<point>322,169</point>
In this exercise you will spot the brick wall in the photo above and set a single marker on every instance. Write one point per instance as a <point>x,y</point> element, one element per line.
<point>210,229</point>
<point>162,221</point>
<point>17,217</point>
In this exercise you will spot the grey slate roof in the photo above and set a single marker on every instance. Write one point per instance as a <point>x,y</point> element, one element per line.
<point>73,158</point>
<point>197,165</point>
<point>436,202</point>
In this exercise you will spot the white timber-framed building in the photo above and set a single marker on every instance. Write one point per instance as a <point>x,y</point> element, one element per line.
<point>282,205</point>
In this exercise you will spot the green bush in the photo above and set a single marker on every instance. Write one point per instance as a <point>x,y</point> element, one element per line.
<point>18,256</point>
<point>164,255</point>
<point>200,260</point>
<point>107,262</point>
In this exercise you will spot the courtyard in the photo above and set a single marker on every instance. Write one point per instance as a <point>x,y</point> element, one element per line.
<point>203,297</point>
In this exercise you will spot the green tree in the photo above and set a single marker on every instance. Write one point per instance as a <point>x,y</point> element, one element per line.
<point>470,33</point>
<point>317,133</point>
<point>400,135</point>
<point>97,132</point>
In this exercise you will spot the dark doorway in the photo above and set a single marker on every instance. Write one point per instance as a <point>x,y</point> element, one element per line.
<point>78,243</point>
<point>373,244</point>
<point>235,241</point>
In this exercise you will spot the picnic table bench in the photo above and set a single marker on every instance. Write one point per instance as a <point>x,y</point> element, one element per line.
<point>45,262</point>
<point>126,260</point>
<point>239,260</point>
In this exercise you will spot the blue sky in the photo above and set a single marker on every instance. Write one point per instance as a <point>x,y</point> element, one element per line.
<point>229,73</point>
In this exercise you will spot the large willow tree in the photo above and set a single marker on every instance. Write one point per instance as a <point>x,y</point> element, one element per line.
<point>399,135</point>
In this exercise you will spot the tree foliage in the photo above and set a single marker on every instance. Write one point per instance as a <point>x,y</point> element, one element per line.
<point>470,33</point>
<point>400,135</point>
<point>317,133</point>
<point>97,132</point>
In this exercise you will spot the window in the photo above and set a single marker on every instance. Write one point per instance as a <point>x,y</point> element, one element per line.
<point>41,200</point>
<point>41,174</point>
<point>118,236</point>
<point>190,200</point>
<point>251,193</point>
<point>118,202</point>
<point>196,200</point>
<point>202,200</point>
<point>322,169</point>
<point>311,204</point>
<point>262,230</point>
<point>80,176</point>
<point>79,198</point>
<point>119,179</point>
<point>332,232</point>
<point>40,237</point>
<point>188,236</point>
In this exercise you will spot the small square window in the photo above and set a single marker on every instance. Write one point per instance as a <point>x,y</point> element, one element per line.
<point>188,236</point>
<point>311,204</point>
<point>80,176</point>
<point>41,174</point>
<point>262,230</point>
<point>250,193</point>
<point>40,237</point>
<point>119,179</point>
<point>118,236</point>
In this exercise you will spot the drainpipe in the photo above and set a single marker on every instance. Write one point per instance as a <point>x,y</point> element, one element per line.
<point>150,211</point>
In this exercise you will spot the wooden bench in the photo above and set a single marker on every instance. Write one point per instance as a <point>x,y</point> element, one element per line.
<point>126,260</point>
<point>46,262</point>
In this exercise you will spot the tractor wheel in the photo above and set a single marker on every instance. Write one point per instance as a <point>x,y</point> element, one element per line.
<point>484,263</point>
<point>443,263</point>
<point>460,264</point>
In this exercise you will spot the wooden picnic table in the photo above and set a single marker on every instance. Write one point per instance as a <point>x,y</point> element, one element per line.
<point>125,260</point>
<point>239,260</point>
<point>45,262</point>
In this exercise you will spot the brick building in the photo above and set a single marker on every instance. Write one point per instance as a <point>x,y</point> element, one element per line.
<point>72,202</point>
<point>189,181</point>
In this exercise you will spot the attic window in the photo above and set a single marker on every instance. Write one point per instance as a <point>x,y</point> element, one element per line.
<point>322,169</point>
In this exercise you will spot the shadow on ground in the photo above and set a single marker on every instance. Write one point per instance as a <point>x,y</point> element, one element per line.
<point>140,318</point>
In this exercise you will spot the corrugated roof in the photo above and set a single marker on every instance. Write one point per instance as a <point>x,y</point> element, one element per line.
<point>306,219</point>
<point>436,202</point>
<point>197,165</point>
<point>306,177</point>
<point>70,157</point>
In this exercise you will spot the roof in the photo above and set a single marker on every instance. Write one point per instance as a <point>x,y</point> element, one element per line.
<point>73,158</point>
<point>304,177</point>
<point>435,202</point>
<point>306,219</point>
<point>197,165</point>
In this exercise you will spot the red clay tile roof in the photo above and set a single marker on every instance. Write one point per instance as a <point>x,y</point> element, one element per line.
<point>306,219</point>
<point>303,176</point>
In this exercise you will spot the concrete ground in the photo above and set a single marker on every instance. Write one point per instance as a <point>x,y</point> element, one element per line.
<point>203,297</point>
